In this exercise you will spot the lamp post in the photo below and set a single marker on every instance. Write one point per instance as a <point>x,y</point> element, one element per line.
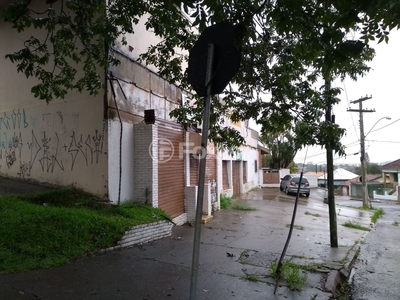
<point>387,118</point>
<point>363,165</point>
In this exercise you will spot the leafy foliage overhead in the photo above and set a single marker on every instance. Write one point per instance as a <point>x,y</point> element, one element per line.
<point>291,51</point>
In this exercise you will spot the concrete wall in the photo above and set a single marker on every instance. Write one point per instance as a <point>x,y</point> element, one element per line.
<point>386,196</point>
<point>63,142</point>
<point>312,179</point>
<point>136,89</point>
<point>141,40</point>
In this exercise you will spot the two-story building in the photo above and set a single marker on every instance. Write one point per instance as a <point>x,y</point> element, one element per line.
<point>121,144</point>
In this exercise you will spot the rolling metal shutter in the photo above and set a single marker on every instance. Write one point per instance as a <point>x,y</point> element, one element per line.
<point>171,182</point>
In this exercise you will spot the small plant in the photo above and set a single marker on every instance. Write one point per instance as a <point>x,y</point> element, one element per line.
<point>291,273</point>
<point>395,223</point>
<point>312,267</point>
<point>298,227</point>
<point>295,277</point>
<point>310,214</point>
<point>343,291</point>
<point>250,278</point>
<point>354,225</point>
<point>225,201</point>
<point>357,254</point>
<point>243,207</point>
<point>377,214</point>
<point>273,267</point>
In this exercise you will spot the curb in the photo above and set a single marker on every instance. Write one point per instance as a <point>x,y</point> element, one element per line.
<point>337,277</point>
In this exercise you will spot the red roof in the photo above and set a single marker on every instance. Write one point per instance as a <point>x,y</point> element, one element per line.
<point>370,177</point>
<point>394,165</point>
<point>315,173</point>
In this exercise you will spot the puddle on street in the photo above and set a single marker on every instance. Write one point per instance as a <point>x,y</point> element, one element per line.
<point>354,213</point>
<point>289,199</point>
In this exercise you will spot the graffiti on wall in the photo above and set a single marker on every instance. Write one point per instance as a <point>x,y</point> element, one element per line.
<point>45,148</point>
<point>16,120</point>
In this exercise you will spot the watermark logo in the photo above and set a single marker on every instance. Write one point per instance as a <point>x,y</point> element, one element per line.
<point>163,150</point>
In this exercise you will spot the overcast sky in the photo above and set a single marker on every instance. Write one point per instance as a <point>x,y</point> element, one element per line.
<point>383,84</point>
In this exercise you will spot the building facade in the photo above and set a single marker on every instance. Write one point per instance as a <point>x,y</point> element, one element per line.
<point>104,145</point>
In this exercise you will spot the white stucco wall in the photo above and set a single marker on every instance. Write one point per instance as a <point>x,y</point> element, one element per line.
<point>63,142</point>
<point>312,179</point>
<point>139,42</point>
<point>127,155</point>
<point>247,154</point>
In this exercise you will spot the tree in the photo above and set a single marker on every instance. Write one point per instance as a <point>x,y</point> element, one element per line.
<point>287,47</point>
<point>282,150</point>
<point>372,168</point>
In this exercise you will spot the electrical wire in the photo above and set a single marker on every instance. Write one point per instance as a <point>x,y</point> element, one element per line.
<point>384,126</point>
<point>348,103</point>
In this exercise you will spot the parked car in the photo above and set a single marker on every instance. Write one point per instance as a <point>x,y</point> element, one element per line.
<point>289,185</point>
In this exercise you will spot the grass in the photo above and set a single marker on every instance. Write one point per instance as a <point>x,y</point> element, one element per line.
<point>395,223</point>
<point>377,214</point>
<point>49,229</point>
<point>298,227</point>
<point>291,273</point>
<point>244,207</point>
<point>363,208</point>
<point>310,214</point>
<point>250,278</point>
<point>225,201</point>
<point>354,225</point>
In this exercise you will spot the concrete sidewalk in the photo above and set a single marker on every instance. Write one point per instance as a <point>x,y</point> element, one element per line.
<point>376,271</point>
<point>162,269</point>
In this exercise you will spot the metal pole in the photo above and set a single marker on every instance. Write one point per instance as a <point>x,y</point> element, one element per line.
<point>280,262</point>
<point>362,160</point>
<point>362,146</point>
<point>202,172</point>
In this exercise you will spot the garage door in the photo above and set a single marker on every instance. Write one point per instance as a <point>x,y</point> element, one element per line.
<point>211,169</point>
<point>171,189</point>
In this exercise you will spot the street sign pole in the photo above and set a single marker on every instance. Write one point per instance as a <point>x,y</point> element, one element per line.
<point>202,172</point>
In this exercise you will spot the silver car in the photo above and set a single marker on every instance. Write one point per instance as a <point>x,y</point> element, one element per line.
<point>289,185</point>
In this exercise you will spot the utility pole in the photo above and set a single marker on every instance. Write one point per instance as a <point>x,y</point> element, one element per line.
<point>365,197</point>
<point>329,167</point>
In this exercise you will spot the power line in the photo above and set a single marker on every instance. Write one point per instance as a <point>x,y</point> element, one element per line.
<point>391,142</point>
<point>348,103</point>
<point>385,126</point>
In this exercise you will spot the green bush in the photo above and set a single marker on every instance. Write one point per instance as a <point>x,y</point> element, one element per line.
<point>225,201</point>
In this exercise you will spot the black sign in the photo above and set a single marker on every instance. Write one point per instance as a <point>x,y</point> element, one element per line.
<point>226,59</point>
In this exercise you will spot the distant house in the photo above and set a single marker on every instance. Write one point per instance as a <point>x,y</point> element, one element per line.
<point>393,170</point>
<point>339,176</point>
<point>353,187</point>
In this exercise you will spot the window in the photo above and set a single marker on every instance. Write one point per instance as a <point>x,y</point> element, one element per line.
<point>245,172</point>
<point>225,181</point>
